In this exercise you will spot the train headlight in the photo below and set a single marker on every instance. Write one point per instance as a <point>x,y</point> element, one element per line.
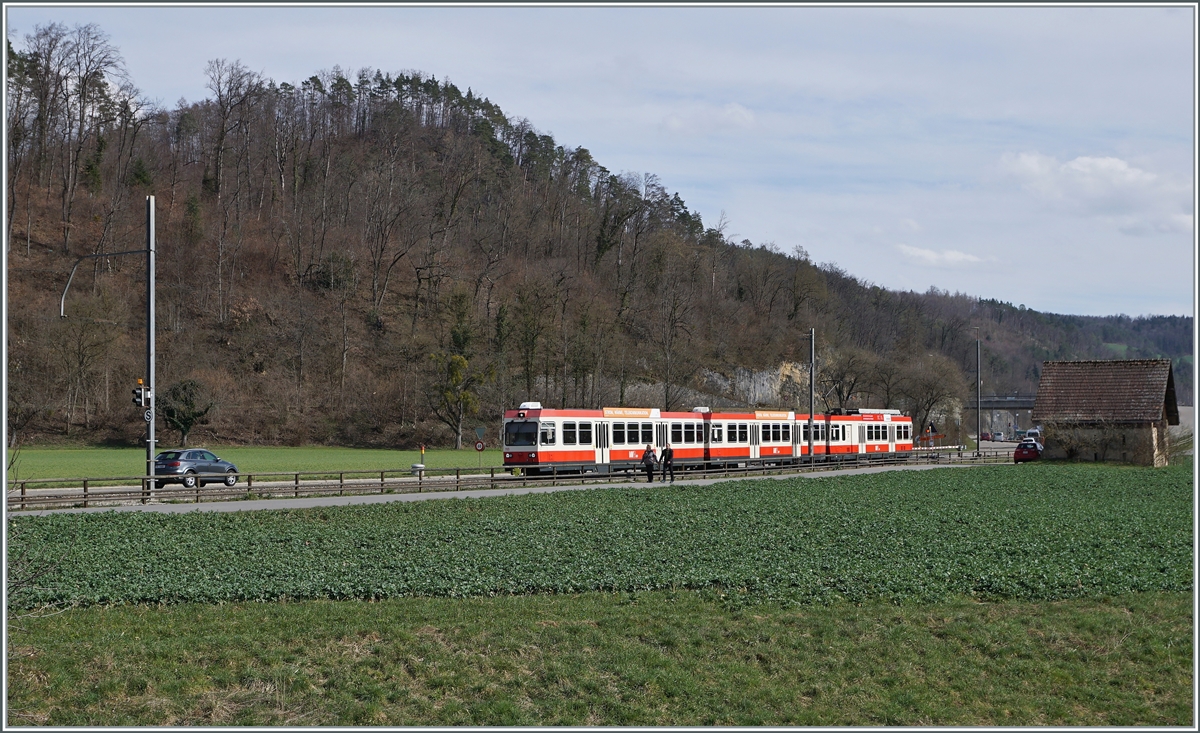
<point>532,456</point>
<point>508,455</point>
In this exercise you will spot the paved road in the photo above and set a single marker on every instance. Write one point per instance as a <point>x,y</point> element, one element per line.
<point>316,501</point>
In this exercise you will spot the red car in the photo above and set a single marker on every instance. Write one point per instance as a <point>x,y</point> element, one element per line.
<point>1027,451</point>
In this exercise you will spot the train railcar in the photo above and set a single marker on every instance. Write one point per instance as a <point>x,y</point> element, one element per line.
<point>540,440</point>
<point>869,432</point>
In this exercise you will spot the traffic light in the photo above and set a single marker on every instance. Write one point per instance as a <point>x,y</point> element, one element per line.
<point>141,396</point>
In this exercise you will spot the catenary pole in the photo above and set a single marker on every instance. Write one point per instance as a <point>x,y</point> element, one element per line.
<point>150,409</point>
<point>812,368</point>
<point>978,398</point>
<point>62,313</point>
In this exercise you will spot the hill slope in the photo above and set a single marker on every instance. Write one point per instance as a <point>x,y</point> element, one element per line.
<point>384,259</point>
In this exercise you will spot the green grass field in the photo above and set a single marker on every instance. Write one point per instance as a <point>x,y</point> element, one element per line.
<point>33,463</point>
<point>1042,595</point>
<point>644,658</point>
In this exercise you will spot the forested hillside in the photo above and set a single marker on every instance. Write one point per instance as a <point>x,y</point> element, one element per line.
<point>379,258</point>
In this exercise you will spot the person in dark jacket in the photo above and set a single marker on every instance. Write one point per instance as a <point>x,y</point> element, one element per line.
<point>648,460</point>
<point>668,463</point>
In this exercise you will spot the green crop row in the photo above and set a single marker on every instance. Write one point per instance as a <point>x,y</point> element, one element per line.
<point>1036,532</point>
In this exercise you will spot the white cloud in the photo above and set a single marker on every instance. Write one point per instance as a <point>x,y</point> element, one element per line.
<point>1132,200</point>
<point>708,119</point>
<point>944,258</point>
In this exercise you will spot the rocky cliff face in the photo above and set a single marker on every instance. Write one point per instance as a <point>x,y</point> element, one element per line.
<point>783,387</point>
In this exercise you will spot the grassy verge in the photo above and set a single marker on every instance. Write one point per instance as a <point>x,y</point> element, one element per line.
<point>34,463</point>
<point>651,658</point>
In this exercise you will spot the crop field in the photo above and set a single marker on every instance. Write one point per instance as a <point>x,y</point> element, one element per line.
<point>1040,532</point>
<point>1034,595</point>
<point>34,463</point>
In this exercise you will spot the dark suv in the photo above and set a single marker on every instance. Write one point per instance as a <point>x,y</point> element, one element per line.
<point>186,467</point>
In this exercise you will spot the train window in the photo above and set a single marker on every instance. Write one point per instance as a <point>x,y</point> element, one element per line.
<point>787,432</point>
<point>743,433</point>
<point>689,432</point>
<point>618,433</point>
<point>568,433</point>
<point>585,433</point>
<point>676,432</point>
<point>777,432</point>
<point>547,433</point>
<point>717,430</point>
<point>648,432</point>
<point>520,434</point>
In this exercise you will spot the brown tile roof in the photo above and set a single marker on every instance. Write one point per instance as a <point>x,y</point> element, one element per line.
<point>1132,390</point>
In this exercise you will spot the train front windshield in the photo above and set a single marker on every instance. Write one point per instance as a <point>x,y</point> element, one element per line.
<point>520,434</point>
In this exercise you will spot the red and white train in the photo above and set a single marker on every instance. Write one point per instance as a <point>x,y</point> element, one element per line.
<point>538,440</point>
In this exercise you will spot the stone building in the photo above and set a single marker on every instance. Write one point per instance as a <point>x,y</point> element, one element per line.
<point>1107,410</point>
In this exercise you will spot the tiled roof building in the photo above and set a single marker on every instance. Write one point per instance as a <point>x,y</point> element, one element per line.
<point>1107,410</point>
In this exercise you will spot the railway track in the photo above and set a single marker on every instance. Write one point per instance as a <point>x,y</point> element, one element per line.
<point>126,490</point>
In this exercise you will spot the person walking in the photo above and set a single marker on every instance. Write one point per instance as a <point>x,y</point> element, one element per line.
<point>648,460</point>
<point>668,463</point>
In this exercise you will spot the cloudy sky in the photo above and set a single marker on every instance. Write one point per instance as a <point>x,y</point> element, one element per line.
<point>1041,156</point>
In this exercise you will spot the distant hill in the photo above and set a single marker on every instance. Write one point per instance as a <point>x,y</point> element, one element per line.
<point>383,259</point>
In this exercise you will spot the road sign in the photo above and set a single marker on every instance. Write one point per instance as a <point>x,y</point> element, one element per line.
<point>479,433</point>
<point>479,445</point>
<point>149,415</point>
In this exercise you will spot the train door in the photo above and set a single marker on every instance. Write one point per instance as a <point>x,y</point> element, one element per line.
<point>891,434</point>
<point>602,450</point>
<point>862,438</point>
<point>754,440</point>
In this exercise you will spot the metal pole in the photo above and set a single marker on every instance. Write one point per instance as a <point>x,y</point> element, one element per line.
<point>978,398</point>
<point>150,410</point>
<point>812,369</point>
